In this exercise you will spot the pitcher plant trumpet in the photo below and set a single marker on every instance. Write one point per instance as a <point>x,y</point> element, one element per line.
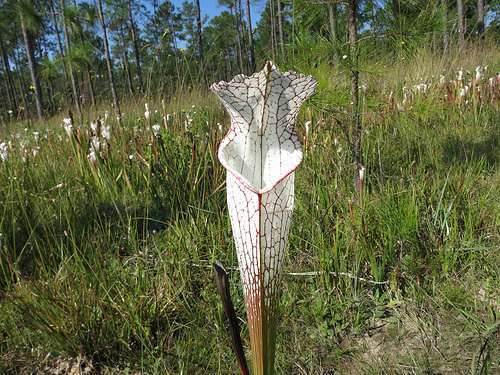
<point>261,152</point>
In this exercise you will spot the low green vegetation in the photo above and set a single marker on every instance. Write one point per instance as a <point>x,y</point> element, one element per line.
<point>106,259</point>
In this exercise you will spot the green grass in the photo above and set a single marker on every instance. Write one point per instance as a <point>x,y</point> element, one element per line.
<point>110,264</point>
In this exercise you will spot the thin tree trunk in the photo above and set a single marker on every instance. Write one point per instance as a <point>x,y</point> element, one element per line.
<point>273,30</point>
<point>238,38</point>
<point>58,36</point>
<point>22,89</point>
<point>244,45</point>
<point>480,18</point>
<point>109,64</point>
<point>332,13</point>
<point>356,117</point>
<point>74,88</point>
<point>444,4</point>
<point>128,73</point>
<point>461,25</point>
<point>280,29</point>
<point>50,92</point>
<point>10,82</point>
<point>33,68</point>
<point>135,41</point>
<point>200,40</point>
<point>250,38</point>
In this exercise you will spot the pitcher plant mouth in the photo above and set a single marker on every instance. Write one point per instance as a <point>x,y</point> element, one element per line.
<point>261,152</point>
<point>261,147</point>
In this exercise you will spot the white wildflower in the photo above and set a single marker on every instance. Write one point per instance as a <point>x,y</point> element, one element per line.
<point>307,124</point>
<point>92,156</point>
<point>479,72</point>
<point>106,132</point>
<point>68,126</point>
<point>344,57</point>
<point>491,82</point>
<point>95,144</point>
<point>36,135</point>
<point>35,151</point>
<point>93,126</point>
<point>4,151</point>
<point>147,114</point>
<point>156,129</point>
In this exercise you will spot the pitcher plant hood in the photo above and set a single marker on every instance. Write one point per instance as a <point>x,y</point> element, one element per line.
<point>261,147</point>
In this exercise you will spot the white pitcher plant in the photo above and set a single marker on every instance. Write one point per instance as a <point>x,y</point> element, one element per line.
<point>261,152</point>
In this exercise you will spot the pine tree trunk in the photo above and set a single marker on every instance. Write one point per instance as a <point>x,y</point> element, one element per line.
<point>238,38</point>
<point>11,92</point>
<point>109,64</point>
<point>480,18</point>
<point>241,29</point>
<point>200,40</point>
<point>352,9</point>
<point>128,74</point>
<point>444,4</point>
<point>273,29</point>
<point>135,41</point>
<point>250,38</point>
<point>33,68</point>
<point>280,29</point>
<point>74,88</point>
<point>58,37</point>
<point>22,88</point>
<point>461,25</point>
<point>332,13</point>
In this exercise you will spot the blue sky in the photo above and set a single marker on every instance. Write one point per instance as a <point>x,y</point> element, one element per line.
<point>211,8</point>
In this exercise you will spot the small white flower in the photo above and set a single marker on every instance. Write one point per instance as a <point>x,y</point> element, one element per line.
<point>147,114</point>
<point>344,57</point>
<point>460,75</point>
<point>4,151</point>
<point>68,126</point>
<point>442,79</point>
<point>106,132</point>
<point>92,156</point>
<point>361,173</point>
<point>35,151</point>
<point>36,135</point>
<point>156,129</point>
<point>95,144</point>
<point>219,126</point>
<point>131,157</point>
<point>479,72</point>
<point>307,124</point>
<point>93,126</point>
<point>10,112</point>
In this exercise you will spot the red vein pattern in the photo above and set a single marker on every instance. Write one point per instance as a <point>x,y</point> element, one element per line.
<point>261,152</point>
